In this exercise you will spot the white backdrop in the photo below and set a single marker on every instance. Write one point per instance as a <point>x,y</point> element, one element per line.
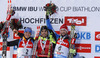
<point>31,14</point>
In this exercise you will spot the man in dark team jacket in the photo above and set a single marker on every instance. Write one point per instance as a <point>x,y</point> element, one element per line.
<point>46,38</point>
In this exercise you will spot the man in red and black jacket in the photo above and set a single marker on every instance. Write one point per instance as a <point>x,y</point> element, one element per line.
<point>63,40</point>
<point>25,44</point>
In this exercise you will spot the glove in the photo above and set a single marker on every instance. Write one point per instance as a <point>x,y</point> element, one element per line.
<point>12,12</point>
<point>47,14</point>
<point>73,51</point>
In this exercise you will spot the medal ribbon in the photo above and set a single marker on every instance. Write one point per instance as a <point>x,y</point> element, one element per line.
<point>43,46</point>
<point>26,43</point>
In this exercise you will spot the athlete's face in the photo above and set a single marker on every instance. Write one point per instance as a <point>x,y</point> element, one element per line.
<point>63,32</point>
<point>27,34</point>
<point>44,33</point>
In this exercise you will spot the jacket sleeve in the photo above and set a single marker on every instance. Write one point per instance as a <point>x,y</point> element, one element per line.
<point>13,43</point>
<point>51,28</point>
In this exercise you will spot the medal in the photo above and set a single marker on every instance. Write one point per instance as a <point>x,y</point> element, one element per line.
<point>43,52</point>
<point>43,43</point>
<point>25,52</point>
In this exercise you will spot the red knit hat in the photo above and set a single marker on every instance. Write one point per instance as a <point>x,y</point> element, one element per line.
<point>64,26</point>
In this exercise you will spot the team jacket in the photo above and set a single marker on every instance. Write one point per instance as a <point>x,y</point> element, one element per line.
<point>48,48</point>
<point>25,47</point>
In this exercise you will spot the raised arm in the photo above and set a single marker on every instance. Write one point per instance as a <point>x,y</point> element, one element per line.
<point>13,43</point>
<point>19,34</point>
<point>50,26</point>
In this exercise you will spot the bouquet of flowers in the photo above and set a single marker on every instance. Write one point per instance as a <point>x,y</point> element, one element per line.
<point>50,8</point>
<point>15,24</point>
